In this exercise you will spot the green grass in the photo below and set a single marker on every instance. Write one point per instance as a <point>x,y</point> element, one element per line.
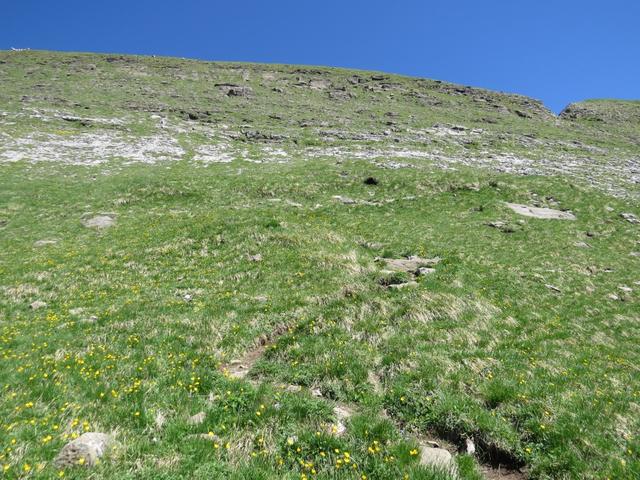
<point>481,349</point>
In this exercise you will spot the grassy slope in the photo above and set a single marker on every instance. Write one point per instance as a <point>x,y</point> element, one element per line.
<point>482,348</point>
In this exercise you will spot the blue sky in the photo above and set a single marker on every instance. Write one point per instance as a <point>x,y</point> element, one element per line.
<point>558,51</point>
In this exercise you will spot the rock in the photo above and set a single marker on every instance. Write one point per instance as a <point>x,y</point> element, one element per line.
<point>85,450</point>
<point>437,458</point>
<point>233,90</point>
<point>422,271</point>
<point>625,289</point>
<point>44,243</point>
<point>552,287</point>
<point>255,258</point>
<point>537,212</point>
<point>38,304</point>
<point>630,217</point>
<point>197,419</point>
<point>338,429</point>
<point>257,135</point>
<point>76,311</point>
<point>319,84</point>
<point>99,222</point>
<point>582,245</point>
<point>400,286</point>
<point>345,200</point>
<point>470,446</point>
<point>316,392</point>
<point>391,165</point>
<point>371,245</point>
<point>239,92</point>
<point>342,414</point>
<point>411,264</point>
<point>502,226</point>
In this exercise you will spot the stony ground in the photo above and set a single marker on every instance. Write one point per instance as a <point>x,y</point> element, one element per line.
<point>264,271</point>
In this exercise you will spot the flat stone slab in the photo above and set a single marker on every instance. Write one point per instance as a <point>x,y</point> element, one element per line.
<point>539,212</point>
<point>99,221</point>
<point>411,264</point>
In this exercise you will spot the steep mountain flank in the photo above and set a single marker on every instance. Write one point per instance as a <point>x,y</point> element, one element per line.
<point>247,271</point>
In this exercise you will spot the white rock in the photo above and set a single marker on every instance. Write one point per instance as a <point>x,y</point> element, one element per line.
<point>537,212</point>
<point>438,459</point>
<point>342,414</point>
<point>425,271</point>
<point>345,200</point>
<point>400,286</point>
<point>471,446</point>
<point>37,305</point>
<point>410,264</point>
<point>99,221</point>
<point>630,217</point>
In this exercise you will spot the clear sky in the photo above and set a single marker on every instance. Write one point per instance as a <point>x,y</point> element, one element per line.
<point>557,51</point>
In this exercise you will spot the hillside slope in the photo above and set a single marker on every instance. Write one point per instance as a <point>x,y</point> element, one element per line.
<point>244,271</point>
<point>103,99</point>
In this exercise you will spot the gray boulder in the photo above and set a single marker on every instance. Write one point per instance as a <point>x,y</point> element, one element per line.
<point>85,450</point>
